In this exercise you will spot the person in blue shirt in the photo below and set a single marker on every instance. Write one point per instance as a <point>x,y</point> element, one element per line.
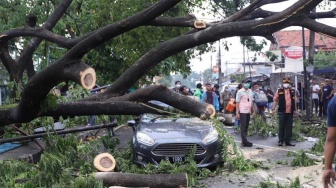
<point>327,94</point>
<point>330,145</point>
<point>210,97</point>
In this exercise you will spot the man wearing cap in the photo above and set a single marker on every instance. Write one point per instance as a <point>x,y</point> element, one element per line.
<point>327,94</point>
<point>244,106</point>
<point>198,93</point>
<point>210,97</point>
<point>285,97</point>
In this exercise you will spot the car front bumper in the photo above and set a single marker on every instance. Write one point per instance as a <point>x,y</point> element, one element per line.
<point>206,155</point>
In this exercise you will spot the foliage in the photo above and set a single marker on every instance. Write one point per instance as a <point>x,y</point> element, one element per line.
<point>318,147</point>
<point>231,155</point>
<point>314,129</point>
<point>207,76</point>
<point>258,126</point>
<point>271,56</point>
<point>65,163</point>
<point>324,60</point>
<point>301,159</point>
<point>269,184</point>
<point>296,134</point>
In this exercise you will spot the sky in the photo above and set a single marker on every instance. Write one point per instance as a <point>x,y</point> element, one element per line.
<point>231,58</point>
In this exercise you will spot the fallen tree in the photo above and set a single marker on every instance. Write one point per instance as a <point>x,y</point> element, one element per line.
<point>249,21</point>
<point>143,180</point>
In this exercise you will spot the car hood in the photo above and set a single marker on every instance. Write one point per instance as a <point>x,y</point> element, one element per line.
<point>179,128</point>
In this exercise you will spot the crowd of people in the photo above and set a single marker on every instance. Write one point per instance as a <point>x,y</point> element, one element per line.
<point>251,101</point>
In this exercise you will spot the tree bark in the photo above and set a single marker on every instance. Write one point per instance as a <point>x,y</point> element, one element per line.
<point>143,180</point>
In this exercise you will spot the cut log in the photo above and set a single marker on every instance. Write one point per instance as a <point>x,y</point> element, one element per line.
<point>104,162</point>
<point>88,78</point>
<point>199,24</point>
<point>82,74</point>
<point>143,180</point>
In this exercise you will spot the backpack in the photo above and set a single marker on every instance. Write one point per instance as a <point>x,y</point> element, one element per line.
<point>230,107</point>
<point>260,99</point>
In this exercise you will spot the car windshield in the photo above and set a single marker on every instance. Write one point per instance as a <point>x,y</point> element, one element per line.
<point>154,117</point>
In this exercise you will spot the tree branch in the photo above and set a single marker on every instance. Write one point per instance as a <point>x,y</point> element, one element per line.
<point>108,32</point>
<point>5,57</point>
<point>260,13</point>
<point>243,12</point>
<point>49,24</point>
<point>39,86</point>
<point>135,103</point>
<point>318,27</point>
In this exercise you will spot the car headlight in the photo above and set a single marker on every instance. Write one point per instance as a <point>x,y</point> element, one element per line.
<point>211,137</point>
<point>144,138</point>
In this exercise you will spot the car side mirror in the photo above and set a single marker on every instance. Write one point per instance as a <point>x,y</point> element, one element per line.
<point>131,123</point>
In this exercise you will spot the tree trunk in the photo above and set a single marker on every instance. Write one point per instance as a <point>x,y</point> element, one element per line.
<point>143,180</point>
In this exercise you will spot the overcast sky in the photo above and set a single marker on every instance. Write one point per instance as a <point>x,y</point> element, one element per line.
<point>231,58</point>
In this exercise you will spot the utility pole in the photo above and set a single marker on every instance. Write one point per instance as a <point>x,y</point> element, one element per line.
<point>219,63</point>
<point>304,69</point>
<point>308,98</point>
<point>244,59</point>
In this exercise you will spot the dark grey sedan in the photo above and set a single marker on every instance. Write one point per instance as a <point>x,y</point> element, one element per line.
<point>158,138</point>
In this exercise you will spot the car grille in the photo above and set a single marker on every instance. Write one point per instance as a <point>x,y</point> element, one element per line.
<point>177,149</point>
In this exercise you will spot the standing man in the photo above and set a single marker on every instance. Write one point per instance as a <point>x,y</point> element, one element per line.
<point>260,101</point>
<point>210,97</point>
<point>327,94</point>
<point>330,145</point>
<point>215,89</point>
<point>270,96</point>
<point>321,111</point>
<point>315,97</point>
<point>285,97</point>
<point>198,93</point>
<point>244,106</point>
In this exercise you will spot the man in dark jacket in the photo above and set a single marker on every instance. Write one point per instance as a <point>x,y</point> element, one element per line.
<point>285,97</point>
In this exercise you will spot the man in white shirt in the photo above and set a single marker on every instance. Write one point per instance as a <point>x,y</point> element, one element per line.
<point>315,97</point>
<point>244,106</point>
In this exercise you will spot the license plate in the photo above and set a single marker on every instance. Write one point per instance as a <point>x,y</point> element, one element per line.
<point>175,159</point>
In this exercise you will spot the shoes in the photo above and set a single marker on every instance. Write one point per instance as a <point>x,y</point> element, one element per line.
<point>289,144</point>
<point>280,143</point>
<point>246,144</point>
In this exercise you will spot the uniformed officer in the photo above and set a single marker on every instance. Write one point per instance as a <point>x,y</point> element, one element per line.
<point>285,97</point>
